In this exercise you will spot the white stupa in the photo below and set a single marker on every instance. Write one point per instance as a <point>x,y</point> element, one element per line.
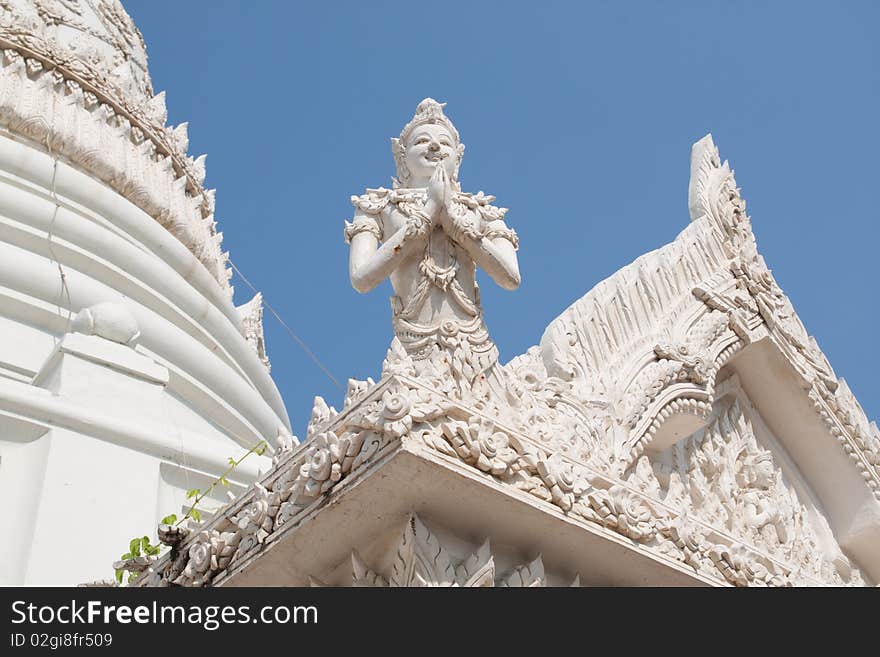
<point>127,375</point>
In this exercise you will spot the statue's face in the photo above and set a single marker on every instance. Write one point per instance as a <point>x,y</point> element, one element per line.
<point>764,474</point>
<point>427,146</point>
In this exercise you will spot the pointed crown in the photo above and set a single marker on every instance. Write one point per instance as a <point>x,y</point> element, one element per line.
<point>429,111</point>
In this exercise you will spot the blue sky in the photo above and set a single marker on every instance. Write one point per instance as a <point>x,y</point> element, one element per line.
<point>578,116</point>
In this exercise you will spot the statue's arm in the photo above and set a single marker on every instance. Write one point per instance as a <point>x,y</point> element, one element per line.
<point>369,264</point>
<point>493,248</point>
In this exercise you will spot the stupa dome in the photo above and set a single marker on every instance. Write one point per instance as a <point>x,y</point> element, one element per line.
<point>89,55</point>
<point>126,371</point>
<point>97,35</point>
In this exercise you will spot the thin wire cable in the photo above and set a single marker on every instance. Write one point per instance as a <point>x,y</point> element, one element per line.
<point>289,330</point>
<point>65,290</point>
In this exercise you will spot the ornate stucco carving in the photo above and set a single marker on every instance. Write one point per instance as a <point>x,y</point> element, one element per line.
<point>73,77</point>
<point>251,314</point>
<point>654,335</point>
<point>402,413</point>
<point>97,32</point>
<point>108,320</point>
<point>420,559</point>
<point>724,477</point>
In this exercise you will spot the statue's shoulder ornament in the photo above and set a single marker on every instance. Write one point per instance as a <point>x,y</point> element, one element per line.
<point>369,208</point>
<point>491,217</point>
<point>482,204</point>
<point>373,202</point>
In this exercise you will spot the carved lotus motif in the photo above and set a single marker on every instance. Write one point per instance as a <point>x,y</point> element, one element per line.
<point>255,520</point>
<point>394,418</point>
<point>686,541</point>
<point>397,360</point>
<point>319,470</point>
<point>210,552</point>
<point>620,509</point>
<point>741,567</point>
<point>283,484</point>
<point>447,334</point>
<point>202,560</point>
<point>565,481</point>
<point>449,328</point>
<point>318,465</point>
<point>252,515</point>
<point>634,517</point>
<point>479,444</point>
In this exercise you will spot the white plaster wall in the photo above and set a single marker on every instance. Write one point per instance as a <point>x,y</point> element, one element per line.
<point>111,250</point>
<point>24,449</point>
<point>91,503</point>
<point>82,444</point>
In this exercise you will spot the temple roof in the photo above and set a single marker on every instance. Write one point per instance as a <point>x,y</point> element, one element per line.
<point>680,404</point>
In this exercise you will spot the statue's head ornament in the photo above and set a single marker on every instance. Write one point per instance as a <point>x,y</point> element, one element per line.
<point>752,461</point>
<point>427,111</point>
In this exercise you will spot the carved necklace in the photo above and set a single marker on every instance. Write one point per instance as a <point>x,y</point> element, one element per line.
<point>432,274</point>
<point>440,276</point>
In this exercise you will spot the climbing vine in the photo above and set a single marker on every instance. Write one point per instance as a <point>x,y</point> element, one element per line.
<point>142,552</point>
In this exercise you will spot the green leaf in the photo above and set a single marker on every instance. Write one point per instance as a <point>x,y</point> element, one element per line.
<point>145,543</point>
<point>232,461</point>
<point>134,547</point>
<point>153,550</point>
<point>170,519</point>
<point>126,556</point>
<point>119,574</point>
<point>224,481</point>
<point>132,577</point>
<point>195,515</point>
<point>192,493</point>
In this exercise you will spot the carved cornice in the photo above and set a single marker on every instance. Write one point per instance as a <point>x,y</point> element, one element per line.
<point>402,413</point>
<point>75,108</point>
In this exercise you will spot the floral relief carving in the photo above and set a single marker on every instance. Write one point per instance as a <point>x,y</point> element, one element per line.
<point>478,443</point>
<point>693,367</point>
<point>723,477</point>
<point>209,553</point>
<point>757,295</point>
<point>718,479</point>
<point>251,315</point>
<point>255,521</point>
<point>686,542</point>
